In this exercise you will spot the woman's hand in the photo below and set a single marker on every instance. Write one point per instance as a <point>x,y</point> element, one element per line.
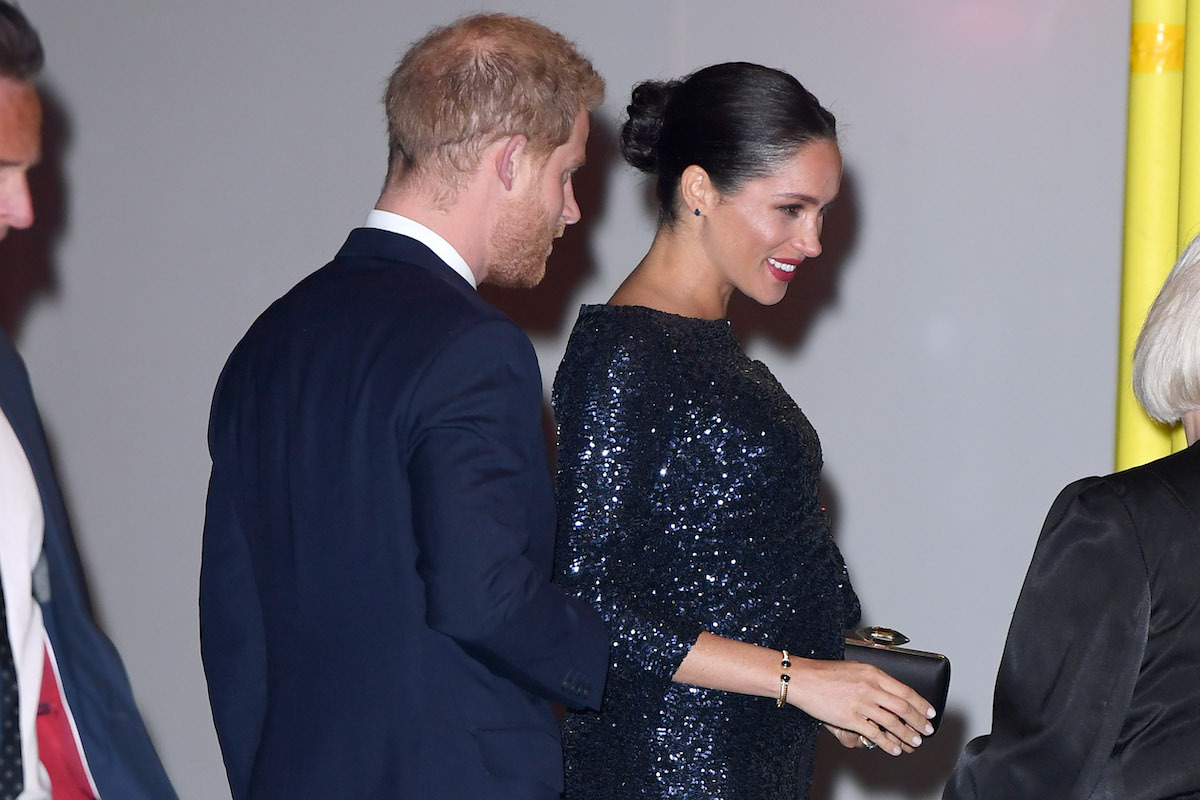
<point>848,739</point>
<point>853,699</point>
<point>854,741</point>
<point>856,699</point>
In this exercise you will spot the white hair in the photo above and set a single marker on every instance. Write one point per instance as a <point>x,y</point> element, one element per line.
<point>1166,360</point>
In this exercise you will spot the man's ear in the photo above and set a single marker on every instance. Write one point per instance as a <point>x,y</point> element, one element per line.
<point>508,160</point>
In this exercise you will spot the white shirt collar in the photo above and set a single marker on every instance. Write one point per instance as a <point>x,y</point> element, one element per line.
<point>387,221</point>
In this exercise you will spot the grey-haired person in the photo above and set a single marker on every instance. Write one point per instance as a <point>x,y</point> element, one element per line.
<point>1098,694</point>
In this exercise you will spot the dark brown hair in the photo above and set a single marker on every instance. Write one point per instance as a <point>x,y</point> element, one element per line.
<point>738,121</point>
<point>21,54</point>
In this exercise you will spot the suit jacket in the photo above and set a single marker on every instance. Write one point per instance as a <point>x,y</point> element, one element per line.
<point>376,614</point>
<point>1098,694</point>
<point>119,753</point>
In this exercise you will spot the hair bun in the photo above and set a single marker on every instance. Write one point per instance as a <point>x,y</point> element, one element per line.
<point>644,122</point>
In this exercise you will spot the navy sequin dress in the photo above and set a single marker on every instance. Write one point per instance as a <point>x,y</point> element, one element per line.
<point>687,490</point>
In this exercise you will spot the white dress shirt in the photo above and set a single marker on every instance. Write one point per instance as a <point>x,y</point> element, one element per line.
<point>387,221</point>
<point>22,527</point>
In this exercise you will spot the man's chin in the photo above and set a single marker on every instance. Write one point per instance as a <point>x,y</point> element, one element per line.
<point>517,279</point>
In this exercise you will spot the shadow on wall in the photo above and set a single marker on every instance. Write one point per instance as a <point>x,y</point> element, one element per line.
<point>815,286</point>
<point>550,308</point>
<point>28,258</point>
<point>28,263</point>
<point>920,775</point>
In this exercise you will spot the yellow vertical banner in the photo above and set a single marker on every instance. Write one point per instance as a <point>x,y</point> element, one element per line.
<point>1152,198</point>
<point>1189,154</point>
<point>1189,149</point>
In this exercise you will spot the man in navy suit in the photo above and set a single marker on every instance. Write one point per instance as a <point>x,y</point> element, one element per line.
<point>377,618</point>
<point>68,723</point>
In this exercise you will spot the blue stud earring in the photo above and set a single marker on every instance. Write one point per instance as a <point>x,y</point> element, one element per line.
<point>696,212</point>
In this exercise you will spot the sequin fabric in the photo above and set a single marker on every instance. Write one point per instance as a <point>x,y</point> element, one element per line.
<point>687,489</point>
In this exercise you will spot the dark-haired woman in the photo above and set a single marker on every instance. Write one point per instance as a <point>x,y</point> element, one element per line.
<point>687,481</point>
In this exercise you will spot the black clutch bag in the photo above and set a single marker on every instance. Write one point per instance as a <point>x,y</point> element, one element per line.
<point>927,673</point>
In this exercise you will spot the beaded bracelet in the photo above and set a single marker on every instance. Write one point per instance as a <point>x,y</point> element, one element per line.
<point>784,679</point>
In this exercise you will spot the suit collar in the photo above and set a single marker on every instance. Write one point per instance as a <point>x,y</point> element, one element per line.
<point>405,226</point>
<point>373,244</point>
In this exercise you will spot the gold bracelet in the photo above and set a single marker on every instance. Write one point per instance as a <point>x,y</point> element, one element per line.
<point>784,679</point>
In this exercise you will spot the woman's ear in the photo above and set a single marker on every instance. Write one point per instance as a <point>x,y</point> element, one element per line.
<point>697,191</point>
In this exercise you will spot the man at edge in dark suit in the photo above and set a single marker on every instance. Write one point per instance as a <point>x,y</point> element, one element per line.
<point>68,723</point>
<point>377,618</point>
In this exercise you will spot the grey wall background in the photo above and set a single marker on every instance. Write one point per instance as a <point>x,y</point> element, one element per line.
<point>954,347</point>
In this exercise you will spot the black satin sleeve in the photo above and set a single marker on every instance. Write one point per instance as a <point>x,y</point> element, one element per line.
<point>1072,657</point>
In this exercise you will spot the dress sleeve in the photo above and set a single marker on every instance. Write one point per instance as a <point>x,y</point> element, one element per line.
<point>1072,657</point>
<point>613,542</point>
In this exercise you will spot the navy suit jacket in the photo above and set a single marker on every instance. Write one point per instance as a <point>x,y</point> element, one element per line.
<point>119,753</point>
<point>377,618</point>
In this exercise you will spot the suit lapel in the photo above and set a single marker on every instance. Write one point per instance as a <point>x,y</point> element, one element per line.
<point>16,399</point>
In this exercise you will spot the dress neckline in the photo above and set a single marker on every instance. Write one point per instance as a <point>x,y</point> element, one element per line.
<point>648,312</point>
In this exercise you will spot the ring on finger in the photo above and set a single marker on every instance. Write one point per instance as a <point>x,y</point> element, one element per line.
<point>867,743</point>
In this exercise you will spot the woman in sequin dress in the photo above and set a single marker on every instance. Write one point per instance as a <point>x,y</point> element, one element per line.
<point>687,481</point>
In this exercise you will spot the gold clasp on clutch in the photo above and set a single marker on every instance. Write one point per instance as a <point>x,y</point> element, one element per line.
<point>883,637</point>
